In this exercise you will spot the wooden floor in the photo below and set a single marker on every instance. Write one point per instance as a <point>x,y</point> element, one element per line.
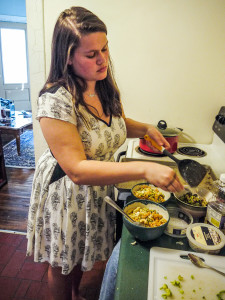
<point>15,199</point>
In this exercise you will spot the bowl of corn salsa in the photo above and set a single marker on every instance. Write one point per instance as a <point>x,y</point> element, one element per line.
<point>147,191</point>
<point>153,217</point>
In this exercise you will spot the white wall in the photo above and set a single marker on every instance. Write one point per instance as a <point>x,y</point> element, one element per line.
<point>168,57</point>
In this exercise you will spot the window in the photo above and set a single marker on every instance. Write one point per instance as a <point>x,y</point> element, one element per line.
<point>14,56</point>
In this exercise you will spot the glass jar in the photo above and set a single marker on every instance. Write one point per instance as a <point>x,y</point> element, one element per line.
<point>215,214</point>
<point>221,187</point>
<point>218,188</point>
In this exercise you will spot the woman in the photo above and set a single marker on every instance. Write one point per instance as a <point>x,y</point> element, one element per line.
<point>83,122</point>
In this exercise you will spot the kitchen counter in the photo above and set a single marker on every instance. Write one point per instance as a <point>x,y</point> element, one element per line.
<point>132,275</point>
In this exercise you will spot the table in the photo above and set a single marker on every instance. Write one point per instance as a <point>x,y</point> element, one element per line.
<point>16,127</point>
<point>132,276</point>
<point>3,176</point>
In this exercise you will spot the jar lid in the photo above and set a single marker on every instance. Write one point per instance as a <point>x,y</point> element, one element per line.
<point>205,237</point>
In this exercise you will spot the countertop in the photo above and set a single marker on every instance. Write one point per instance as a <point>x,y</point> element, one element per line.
<point>132,275</point>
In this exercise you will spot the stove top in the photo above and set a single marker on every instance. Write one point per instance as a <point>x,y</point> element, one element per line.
<point>191,151</point>
<point>212,154</point>
<point>141,151</point>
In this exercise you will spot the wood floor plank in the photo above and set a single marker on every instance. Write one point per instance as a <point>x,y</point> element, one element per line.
<point>15,199</point>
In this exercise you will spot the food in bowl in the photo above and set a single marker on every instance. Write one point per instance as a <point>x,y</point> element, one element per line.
<point>147,217</point>
<point>147,191</point>
<point>193,199</point>
<point>193,204</point>
<point>140,232</point>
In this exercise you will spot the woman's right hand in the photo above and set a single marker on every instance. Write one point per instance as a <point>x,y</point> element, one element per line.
<point>163,177</point>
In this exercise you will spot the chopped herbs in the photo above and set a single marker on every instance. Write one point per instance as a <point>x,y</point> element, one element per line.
<point>167,292</point>
<point>176,283</point>
<point>180,278</point>
<point>220,295</point>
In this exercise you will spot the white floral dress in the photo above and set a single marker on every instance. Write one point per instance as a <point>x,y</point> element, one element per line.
<point>71,224</point>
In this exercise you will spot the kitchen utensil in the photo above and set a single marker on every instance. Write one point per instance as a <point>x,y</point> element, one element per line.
<point>165,265</point>
<point>197,261</point>
<point>113,204</point>
<point>143,145</point>
<point>200,191</point>
<point>146,233</point>
<point>192,171</point>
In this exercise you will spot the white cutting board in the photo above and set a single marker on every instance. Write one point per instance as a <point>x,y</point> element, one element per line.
<point>167,262</point>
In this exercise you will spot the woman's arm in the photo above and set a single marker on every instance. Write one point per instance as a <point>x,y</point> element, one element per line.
<point>137,129</point>
<point>65,143</point>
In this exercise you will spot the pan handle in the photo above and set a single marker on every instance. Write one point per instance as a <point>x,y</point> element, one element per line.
<point>154,144</point>
<point>161,148</point>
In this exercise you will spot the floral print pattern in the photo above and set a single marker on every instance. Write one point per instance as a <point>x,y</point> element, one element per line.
<point>70,224</point>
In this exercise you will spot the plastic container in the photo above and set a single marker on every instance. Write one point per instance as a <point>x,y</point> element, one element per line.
<point>205,238</point>
<point>179,221</point>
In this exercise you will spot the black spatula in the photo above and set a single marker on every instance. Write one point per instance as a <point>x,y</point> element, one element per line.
<point>191,171</point>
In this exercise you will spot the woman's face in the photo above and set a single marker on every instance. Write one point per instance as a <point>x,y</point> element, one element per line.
<point>90,60</point>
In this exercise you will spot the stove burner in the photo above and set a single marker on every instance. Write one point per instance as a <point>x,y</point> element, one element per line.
<point>191,151</point>
<point>139,150</point>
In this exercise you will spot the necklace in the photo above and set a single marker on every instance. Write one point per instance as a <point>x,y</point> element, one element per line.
<point>91,95</point>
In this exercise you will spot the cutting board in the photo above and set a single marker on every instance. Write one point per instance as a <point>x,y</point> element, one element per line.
<point>170,263</point>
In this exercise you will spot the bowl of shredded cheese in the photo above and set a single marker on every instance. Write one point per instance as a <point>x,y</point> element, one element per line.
<point>147,191</point>
<point>153,218</point>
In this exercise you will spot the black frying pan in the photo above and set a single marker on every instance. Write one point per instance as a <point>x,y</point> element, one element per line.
<point>191,171</point>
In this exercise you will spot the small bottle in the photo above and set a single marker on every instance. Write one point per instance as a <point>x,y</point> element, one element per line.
<point>216,209</point>
<point>216,214</point>
<point>12,109</point>
<point>221,193</point>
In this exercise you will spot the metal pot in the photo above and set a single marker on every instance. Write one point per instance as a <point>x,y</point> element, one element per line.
<point>170,134</point>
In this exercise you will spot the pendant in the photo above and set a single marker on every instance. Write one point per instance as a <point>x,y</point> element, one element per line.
<point>91,95</point>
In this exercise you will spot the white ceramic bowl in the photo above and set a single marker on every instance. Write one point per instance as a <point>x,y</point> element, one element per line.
<point>167,195</point>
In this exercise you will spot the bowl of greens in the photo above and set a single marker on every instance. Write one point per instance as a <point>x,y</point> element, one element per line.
<point>192,203</point>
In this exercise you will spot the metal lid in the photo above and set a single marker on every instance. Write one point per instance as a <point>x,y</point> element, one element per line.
<point>162,127</point>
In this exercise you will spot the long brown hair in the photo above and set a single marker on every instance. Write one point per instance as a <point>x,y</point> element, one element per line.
<point>71,25</point>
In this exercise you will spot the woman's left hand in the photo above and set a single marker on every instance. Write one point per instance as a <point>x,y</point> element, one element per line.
<point>153,133</point>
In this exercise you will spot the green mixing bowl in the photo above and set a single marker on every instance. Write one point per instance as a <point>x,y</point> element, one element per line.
<point>145,233</point>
